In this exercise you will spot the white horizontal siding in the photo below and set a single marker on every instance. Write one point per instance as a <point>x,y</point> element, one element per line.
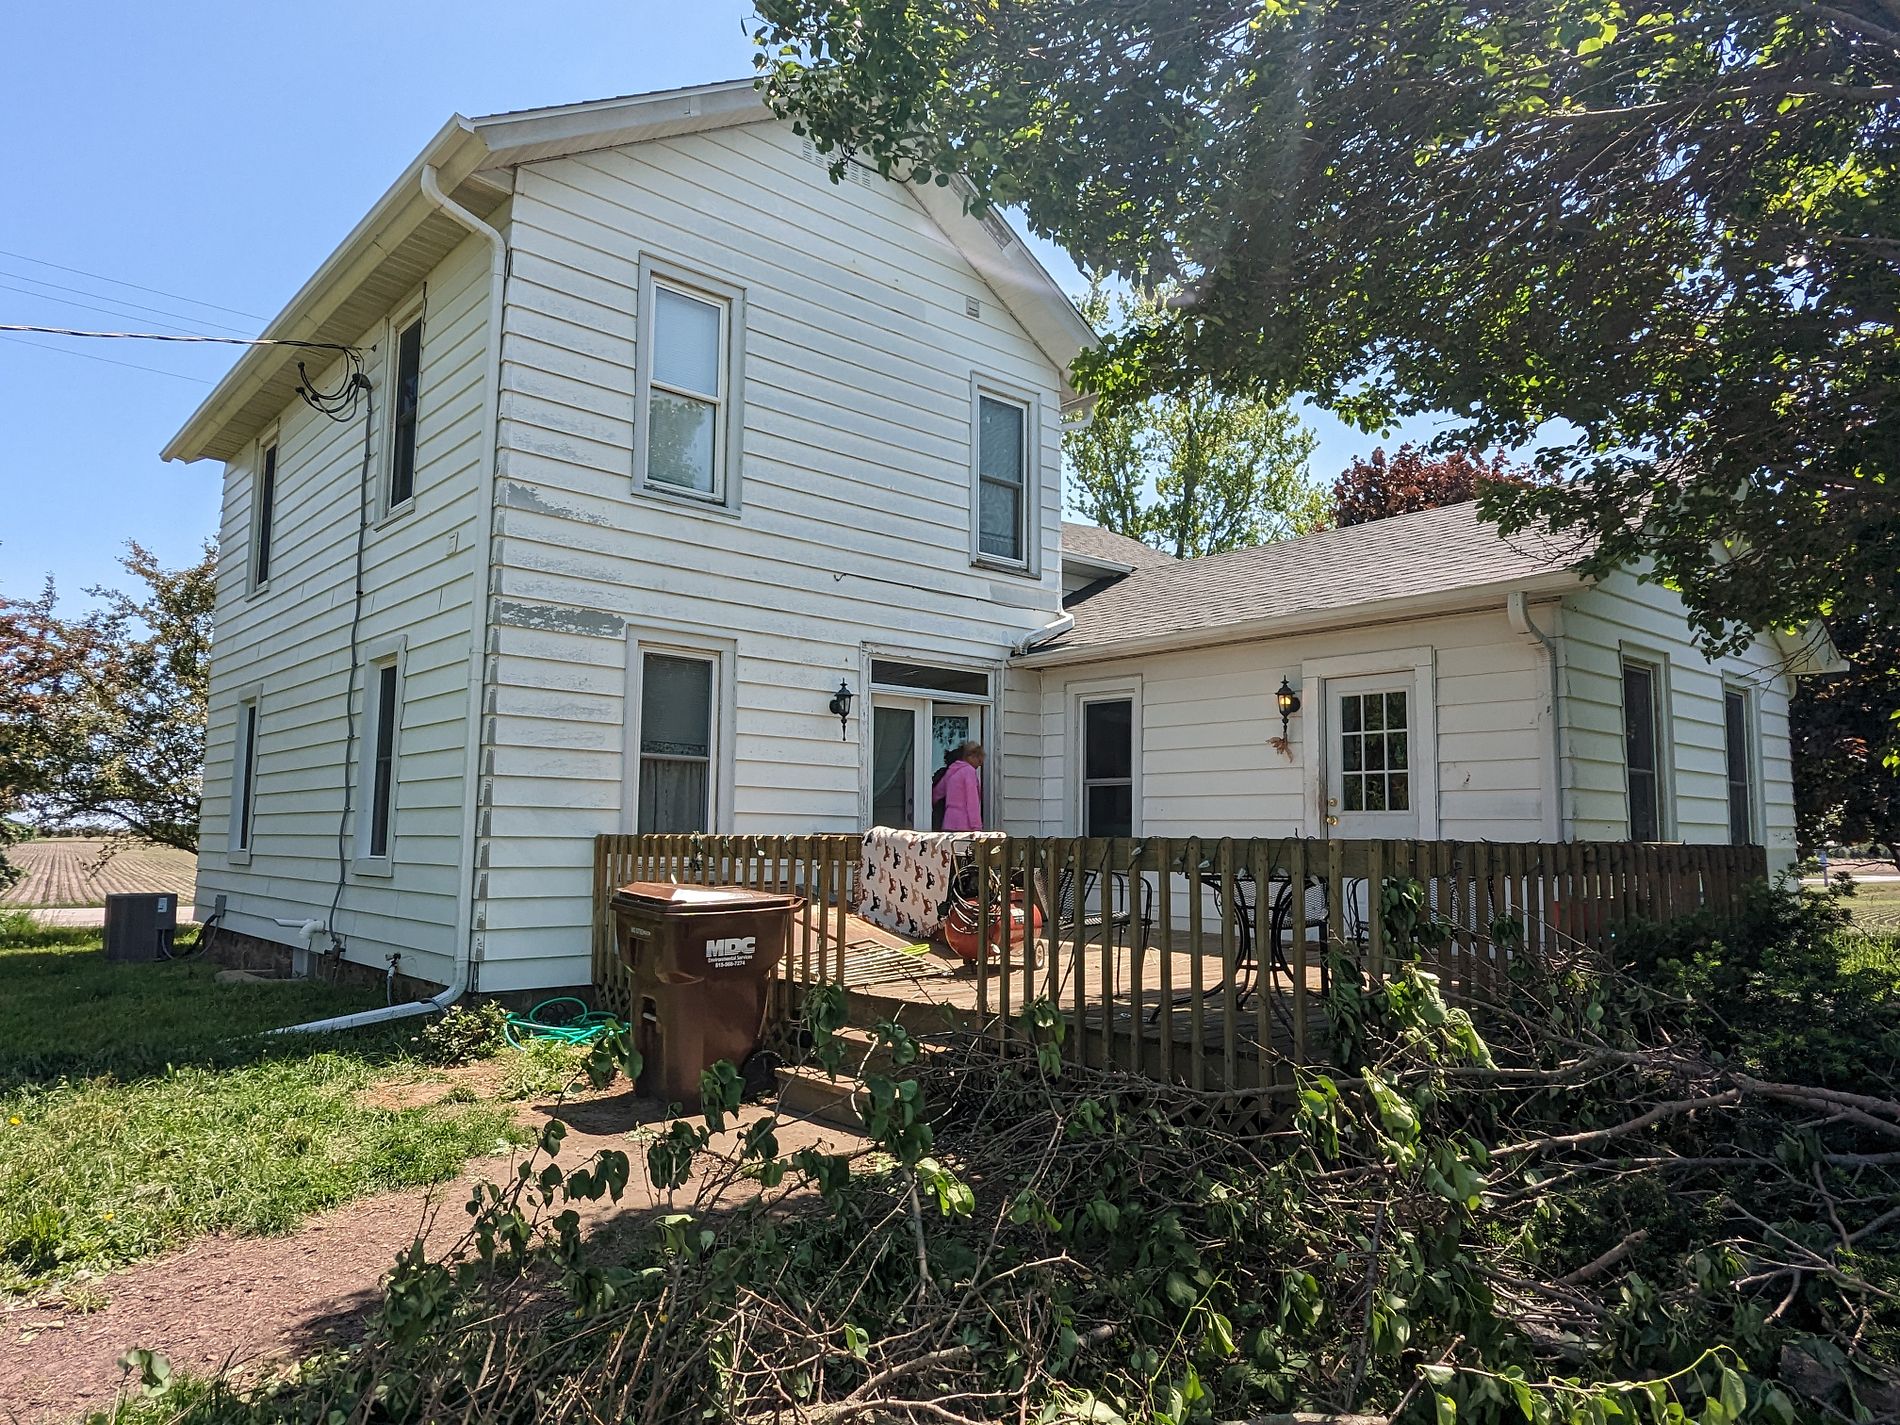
<point>1207,716</point>
<point>291,643</point>
<point>855,523</point>
<point>1623,615</point>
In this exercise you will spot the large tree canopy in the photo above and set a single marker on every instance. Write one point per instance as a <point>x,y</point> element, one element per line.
<point>1662,242</point>
<point>1194,471</point>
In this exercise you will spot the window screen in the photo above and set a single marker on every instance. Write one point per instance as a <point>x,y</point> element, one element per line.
<point>1741,811</point>
<point>266,514</point>
<point>1375,753</point>
<point>1639,752</point>
<point>675,743</point>
<point>1002,465</point>
<point>382,796</point>
<point>402,463</point>
<point>247,777</point>
<point>1108,767</point>
<point>686,391</point>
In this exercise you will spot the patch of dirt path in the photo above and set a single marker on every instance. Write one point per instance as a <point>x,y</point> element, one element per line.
<point>240,1304</point>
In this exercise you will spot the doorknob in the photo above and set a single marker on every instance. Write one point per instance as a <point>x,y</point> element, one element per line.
<point>1332,821</point>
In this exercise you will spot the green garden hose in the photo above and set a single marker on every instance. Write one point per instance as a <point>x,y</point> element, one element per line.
<point>583,1027</point>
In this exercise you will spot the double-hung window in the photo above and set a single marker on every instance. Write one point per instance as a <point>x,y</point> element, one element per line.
<point>676,743</point>
<point>380,757</point>
<point>1739,761</point>
<point>1642,751</point>
<point>244,779</point>
<point>406,404</point>
<point>264,519</point>
<point>1003,489</point>
<point>690,377</point>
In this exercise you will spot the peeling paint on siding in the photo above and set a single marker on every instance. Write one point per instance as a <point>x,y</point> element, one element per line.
<point>525,497</point>
<point>552,619</point>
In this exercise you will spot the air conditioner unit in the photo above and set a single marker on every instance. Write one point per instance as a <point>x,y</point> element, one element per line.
<point>139,927</point>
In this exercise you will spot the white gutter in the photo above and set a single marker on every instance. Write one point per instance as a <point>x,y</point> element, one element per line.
<point>1046,634</point>
<point>1517,611</point>
<point>481,572</point>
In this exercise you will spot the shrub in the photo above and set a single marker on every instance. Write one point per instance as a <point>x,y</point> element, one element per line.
<point>461,1034</point>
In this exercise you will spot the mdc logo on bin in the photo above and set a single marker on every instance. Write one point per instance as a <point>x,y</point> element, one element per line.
<point>724,954</point>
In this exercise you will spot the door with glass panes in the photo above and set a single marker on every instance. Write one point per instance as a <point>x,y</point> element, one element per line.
<point>1369,763</point>
<point>919,714</point>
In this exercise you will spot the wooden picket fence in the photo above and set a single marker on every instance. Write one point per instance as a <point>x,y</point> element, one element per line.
<point>1165,956</point>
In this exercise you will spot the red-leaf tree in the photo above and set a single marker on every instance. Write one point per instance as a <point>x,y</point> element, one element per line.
<point>1377,486</point>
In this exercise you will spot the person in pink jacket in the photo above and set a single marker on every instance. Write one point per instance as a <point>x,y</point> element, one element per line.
<point>960,789</point>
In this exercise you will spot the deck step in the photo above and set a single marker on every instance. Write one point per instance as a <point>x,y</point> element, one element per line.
<point>810,1093</point>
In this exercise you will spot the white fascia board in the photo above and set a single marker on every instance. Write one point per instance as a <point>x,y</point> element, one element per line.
<point>455,152</point>
<point>1475,598</point>
<point>535,134</point>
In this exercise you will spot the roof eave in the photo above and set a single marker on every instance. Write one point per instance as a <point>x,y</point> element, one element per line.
<point>456,152</point>
<point>1472,598</point>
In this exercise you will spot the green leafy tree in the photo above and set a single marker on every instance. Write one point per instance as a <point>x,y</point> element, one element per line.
<point>102,714</point>
<point>1669,235</point>
<point>1192,471</point>
<point>1846,733</point>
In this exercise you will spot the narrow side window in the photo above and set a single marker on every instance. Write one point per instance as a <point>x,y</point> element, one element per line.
<point>386,717</point>
<point>1641,752</point>
<point>244,778</point>
<point>406,399</point>
<point>1108,767</point>
<point>1739,757</point>
<point>266,518</point>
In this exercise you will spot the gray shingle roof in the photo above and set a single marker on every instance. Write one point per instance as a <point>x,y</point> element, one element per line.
<point>1092,542</point>
<point>1431,552</point>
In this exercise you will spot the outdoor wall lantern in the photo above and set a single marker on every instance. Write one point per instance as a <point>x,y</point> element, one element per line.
<point>1289,702</point>
<point>841,706</point>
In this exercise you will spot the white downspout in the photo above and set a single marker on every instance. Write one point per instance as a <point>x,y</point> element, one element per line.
<point>1517,611</point>
<point>1048,633</point>
<point>482,572</point>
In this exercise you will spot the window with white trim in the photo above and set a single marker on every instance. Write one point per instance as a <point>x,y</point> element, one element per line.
<point>1375,763</point>
<point>380,758</point>
<point>264,517</point>
<point>405,408</point>
<point>1642,750</point>
<point>677,729</point>
<point>1739,762</point>
<point>690,376</point>
<point>244,778</point>
<point>1002,485</point>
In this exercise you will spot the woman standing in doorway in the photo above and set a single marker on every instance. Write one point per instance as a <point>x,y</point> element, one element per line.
<point>960,790</point>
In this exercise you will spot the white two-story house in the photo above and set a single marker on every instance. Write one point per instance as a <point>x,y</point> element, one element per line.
<point>618,443</point>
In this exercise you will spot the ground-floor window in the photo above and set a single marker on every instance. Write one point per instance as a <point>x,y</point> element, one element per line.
<point>1739,757</point>
<point>1642,743</point>
<point>1108,767</point>
<point>244,777</point>
<point>676,743</point>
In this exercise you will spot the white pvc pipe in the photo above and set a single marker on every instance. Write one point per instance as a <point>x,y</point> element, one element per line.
<point>1517,611</point>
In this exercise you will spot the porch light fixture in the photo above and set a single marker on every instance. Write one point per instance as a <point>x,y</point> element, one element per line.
<point>1289,702</point>
<point>841,706</point>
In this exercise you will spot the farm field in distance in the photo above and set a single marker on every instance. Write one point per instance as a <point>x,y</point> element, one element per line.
<point>64,872</point>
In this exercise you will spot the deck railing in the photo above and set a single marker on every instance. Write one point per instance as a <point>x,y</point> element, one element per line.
<point>1194,960</point>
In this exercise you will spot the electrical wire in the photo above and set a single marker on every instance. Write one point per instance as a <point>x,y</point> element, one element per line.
<point>109,361</point>
<point>186,337</point>
<point>118,303</point>
<point>89,306</point>
<point>121,282</point>
<point>357,381</point>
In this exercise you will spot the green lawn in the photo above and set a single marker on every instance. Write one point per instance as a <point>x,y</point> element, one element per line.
<point>140,1107</point>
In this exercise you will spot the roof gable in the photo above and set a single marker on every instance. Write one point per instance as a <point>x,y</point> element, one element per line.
<point>404,236</point>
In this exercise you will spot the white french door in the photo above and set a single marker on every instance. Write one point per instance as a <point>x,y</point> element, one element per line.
<point>910,738</point>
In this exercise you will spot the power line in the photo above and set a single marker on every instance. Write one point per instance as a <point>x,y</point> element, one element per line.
<point>186,336</point>
<point>84,306</point>
<point>109,361</point>
<point>121,282</point>
<point>117,302</point>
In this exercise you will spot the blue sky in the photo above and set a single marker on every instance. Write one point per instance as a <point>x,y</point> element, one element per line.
<point>215,153</point>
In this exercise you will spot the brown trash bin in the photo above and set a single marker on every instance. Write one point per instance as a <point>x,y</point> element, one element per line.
<point>700,958</point>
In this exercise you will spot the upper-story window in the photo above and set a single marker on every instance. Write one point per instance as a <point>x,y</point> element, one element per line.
<point>406,401</point>
<point>1003,485</point>
<point>264,516</point>
<point>690,377</point>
